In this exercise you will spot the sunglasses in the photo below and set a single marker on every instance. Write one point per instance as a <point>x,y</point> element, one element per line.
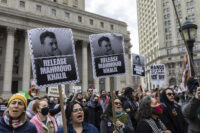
<point>77,110</point>
<point>170,94</point>
<point>117,103</point>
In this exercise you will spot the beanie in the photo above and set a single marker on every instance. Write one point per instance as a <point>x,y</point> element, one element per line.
<point>20,97</point>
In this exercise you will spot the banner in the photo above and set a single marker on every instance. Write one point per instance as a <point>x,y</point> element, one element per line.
<point>185,74</point>
<point>53,56</point>
<point>108,56</point>
<point>138,65</point>
<point>157,74</point>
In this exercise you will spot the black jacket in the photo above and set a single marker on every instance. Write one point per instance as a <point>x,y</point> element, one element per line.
<point>172,115</point>
<point>27,127</point>
<point>131,108</point>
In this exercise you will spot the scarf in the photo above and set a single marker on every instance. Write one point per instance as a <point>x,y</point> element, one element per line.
<point>122,117</point>
<point>14,123</point>
<point>154,127</point>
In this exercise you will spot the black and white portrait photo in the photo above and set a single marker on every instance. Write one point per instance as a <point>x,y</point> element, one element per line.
<point>108,55</point>
<point>53,56</point>
<point>138,65</point>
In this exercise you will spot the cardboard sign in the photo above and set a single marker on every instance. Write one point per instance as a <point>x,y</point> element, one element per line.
<point>138,65</point>
<point>157,74</point>
<point>108,56</point>
<point>54,92</point>
<point>53,56</point>
<point>76,89</point>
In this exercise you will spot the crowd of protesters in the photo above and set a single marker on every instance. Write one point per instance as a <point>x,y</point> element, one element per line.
<point>158,111</point>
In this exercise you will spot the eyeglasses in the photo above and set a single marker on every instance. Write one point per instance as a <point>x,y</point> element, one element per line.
<point>117,103</point>
<point>170,94</point>
<point>77,110</point>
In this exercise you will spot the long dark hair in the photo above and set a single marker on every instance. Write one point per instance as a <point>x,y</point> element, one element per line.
<point>144,110</point>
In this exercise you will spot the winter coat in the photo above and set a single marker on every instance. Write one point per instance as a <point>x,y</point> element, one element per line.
<point>87,128</point>
<point>130,107</point>
<point>191,111</point>
<point>40,126</point>
<point>172,116</point>
<point>93,112</point>
<point>27,127</point>
<point>107,126</point>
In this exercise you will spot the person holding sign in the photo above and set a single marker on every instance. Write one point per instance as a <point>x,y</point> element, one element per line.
<point>43,121</point>
<point>123,123</point>
<point>105,45</point>
<point>75,118</point>
<point>49,44</point>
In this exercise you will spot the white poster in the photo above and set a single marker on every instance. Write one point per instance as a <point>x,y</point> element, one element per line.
<point>108,55</point>
<point>54,92</point>
<point>157,74</point>
<point>53,56</point>
<point>138,65</point>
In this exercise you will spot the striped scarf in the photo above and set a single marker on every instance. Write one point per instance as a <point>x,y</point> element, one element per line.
<point>14,123</point>
<point>154,127</point>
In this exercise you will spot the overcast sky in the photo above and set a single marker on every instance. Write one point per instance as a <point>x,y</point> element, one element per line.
<point>123,10</point>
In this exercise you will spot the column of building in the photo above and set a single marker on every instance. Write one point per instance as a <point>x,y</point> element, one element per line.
<point>8,67</point>
<point>84,66</point>
<point>26,65</point>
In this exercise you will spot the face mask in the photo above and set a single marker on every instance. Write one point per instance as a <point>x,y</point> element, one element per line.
<point>51,99</point>
<point>157,110</point>
<point>45,111</point>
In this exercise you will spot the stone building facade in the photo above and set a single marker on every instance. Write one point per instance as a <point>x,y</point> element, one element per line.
<point>17,16</point>
<point>160,40</point>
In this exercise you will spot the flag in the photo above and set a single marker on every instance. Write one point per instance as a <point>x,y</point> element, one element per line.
<point>185,74</point>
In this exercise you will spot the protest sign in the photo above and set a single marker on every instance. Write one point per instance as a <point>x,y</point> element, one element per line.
<point>108,56</point>
<point>76,89</point>
<point>138,65</point>
<point>53,56</point>
<point>25,93</point>
<point>54,92</point>
<point>157,74</point>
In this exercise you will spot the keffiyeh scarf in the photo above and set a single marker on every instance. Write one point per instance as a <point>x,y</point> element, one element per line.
<point>14,123</point>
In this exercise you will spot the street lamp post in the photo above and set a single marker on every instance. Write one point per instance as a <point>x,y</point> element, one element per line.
<point>189,31</point>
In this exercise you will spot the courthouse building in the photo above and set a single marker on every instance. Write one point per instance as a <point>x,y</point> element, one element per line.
<point>17,16</point>
<point>160,40</point>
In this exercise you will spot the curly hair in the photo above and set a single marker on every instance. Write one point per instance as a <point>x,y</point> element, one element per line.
<point>144,110</point>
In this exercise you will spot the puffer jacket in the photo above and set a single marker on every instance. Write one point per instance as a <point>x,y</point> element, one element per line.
<point>27,127</point>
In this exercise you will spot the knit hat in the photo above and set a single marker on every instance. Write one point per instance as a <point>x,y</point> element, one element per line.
<point>20,97</point>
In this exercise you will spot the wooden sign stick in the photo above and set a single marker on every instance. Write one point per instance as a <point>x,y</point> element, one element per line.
<point>112,100</point>
<point>62,109</point>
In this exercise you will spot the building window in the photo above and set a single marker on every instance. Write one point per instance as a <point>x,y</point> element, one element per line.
<point>75,3</point>
<point>102,24</point>
<point>16,61</point>
<point>112,27</point>
<point>169,51</point>
<point>91,22</point>
<point>190,10</point>
<point>38,8</point>
<point>53,11</point>
<point>4,1</point>
<point>79,19</point>
<point>67,15</point>
<point>22,4</point>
